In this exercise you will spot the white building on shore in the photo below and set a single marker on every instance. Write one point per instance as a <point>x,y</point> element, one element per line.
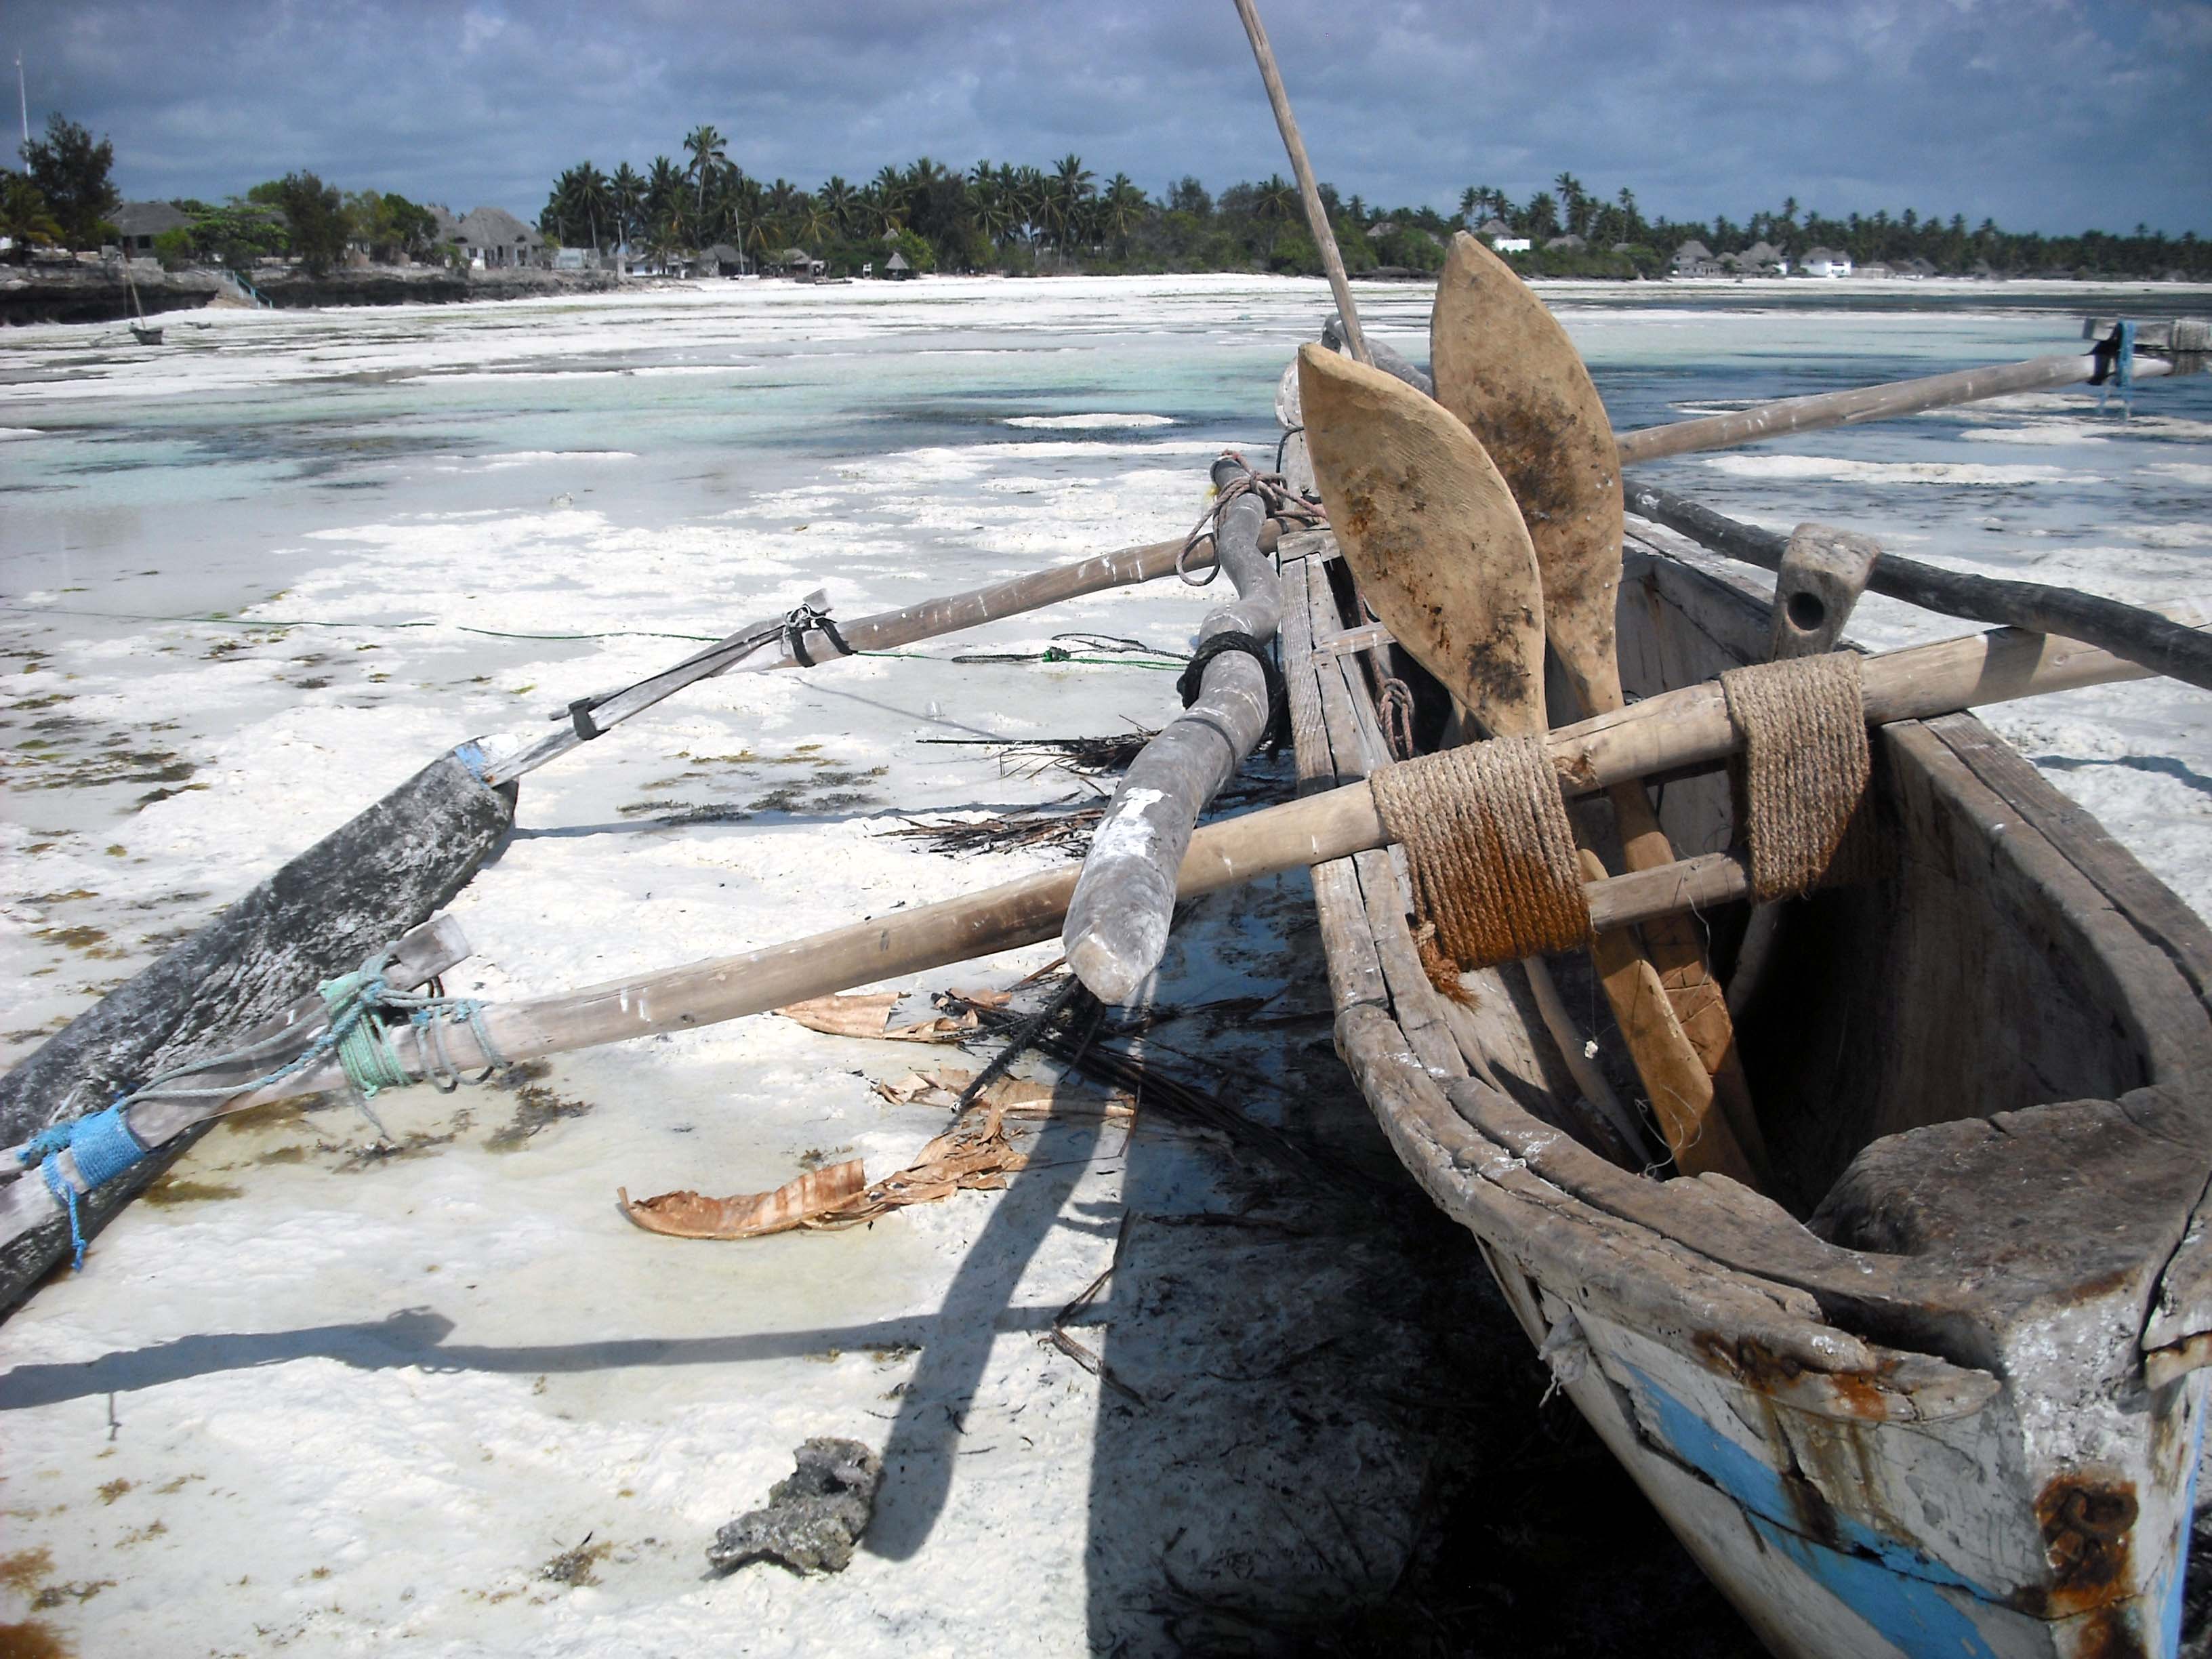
<point>1500,236</point>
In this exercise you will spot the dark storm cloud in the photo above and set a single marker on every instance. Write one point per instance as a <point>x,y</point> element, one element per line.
<point>2046,114</point>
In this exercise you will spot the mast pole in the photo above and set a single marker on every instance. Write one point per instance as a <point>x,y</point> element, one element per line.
<point>1317,214</point>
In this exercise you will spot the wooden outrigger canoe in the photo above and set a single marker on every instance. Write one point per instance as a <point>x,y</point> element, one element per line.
<point>1952,1404</point>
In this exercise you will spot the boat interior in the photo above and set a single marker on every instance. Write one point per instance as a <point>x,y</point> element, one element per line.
<point>1984,962</point>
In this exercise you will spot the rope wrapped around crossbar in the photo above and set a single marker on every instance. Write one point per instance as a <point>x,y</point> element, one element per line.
<point>1805,765</point>
<point>1493,856</point>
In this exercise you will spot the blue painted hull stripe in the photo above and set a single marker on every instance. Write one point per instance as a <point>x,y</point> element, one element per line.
<point>1888,1582</point>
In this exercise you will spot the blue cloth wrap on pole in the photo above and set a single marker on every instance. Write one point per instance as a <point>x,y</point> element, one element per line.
<point>104,1148</point>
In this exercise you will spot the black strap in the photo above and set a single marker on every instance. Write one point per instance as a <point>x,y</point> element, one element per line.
<point>2107,354</point>
<point>795,633</point>
<point>794,628</point>
<point>1192,680</point>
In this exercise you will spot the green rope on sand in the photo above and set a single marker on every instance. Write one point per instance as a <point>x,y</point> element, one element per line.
<point>1091,650</point>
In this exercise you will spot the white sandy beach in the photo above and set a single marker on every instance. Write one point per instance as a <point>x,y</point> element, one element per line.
<point>322,1401</point>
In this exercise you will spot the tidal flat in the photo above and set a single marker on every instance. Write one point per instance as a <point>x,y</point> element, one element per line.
<point>252,579</point>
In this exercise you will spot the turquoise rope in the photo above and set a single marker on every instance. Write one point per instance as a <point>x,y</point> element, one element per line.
<point>103,1146</point>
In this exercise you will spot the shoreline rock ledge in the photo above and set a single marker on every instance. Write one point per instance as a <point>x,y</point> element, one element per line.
<point>78,291</point>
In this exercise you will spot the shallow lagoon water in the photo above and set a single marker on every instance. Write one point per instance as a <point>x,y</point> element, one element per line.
<point>415,1380</point>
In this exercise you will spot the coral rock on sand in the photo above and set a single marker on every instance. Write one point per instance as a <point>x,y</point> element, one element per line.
<point>814,1516</point>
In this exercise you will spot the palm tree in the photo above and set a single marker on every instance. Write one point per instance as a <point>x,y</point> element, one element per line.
<point>25,215</point>
<point>1072,192</point>
<point>1275,200</point>
<point>708,151</point>
<point>890,191</point>
<point>812,220</point>
<point>664,203</point>
<point>996,212</point>
<point>933,197</point>
<point>1027,193</point>
<point>626,191</point>
<point>552,218</point>
<point>1124,209</point>
<point>594,199</point>
<point>1572,198</point>
<point>840,200</point>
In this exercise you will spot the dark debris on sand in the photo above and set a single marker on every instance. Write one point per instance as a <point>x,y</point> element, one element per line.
<point>814,1516</point>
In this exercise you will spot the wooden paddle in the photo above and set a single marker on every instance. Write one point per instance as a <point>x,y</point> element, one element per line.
<point>1504,366</point>
<point>1442,555</point>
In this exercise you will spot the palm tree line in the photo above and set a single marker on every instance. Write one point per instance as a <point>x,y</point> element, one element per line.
<point>1617,227</point>
<point>966,218</point>
<point>1004,216</point>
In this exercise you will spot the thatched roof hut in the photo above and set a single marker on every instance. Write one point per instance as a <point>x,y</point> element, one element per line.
<point>722,260</point>
<point>138,223</point>
<point>1694,258</point>
<point>497,238</point>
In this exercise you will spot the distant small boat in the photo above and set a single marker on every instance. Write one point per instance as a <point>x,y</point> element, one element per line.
<point>141,331</point>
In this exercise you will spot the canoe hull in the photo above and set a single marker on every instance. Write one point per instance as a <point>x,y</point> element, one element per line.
<point>1870,1451</point>
<point>1840,1572</point>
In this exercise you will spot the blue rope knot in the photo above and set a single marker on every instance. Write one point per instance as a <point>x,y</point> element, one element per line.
<point>103,1148</point>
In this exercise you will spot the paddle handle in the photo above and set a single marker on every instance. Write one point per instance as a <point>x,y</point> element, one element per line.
<point>885,631</point>
<point>1309,192</point>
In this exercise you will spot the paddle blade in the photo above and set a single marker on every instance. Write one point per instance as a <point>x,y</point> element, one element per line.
<point>1431,534</point>
<point>1504,366</point>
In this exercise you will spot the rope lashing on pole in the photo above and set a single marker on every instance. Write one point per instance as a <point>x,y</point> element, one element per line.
<point>366,1016</point>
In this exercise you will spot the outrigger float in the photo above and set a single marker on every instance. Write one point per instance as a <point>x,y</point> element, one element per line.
<point>1869,1229</point>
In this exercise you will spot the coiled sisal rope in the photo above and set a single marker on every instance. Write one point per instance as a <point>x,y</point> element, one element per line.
<point>1493,856</point>
<point>1805,764</point>
<point>1495,872</point>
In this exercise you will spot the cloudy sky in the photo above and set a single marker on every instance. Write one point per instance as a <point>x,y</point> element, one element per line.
<point>2046,114</point>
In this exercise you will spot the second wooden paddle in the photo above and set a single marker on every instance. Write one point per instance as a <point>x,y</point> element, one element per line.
<point>1504,366</point>
<point>1442,557</point>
